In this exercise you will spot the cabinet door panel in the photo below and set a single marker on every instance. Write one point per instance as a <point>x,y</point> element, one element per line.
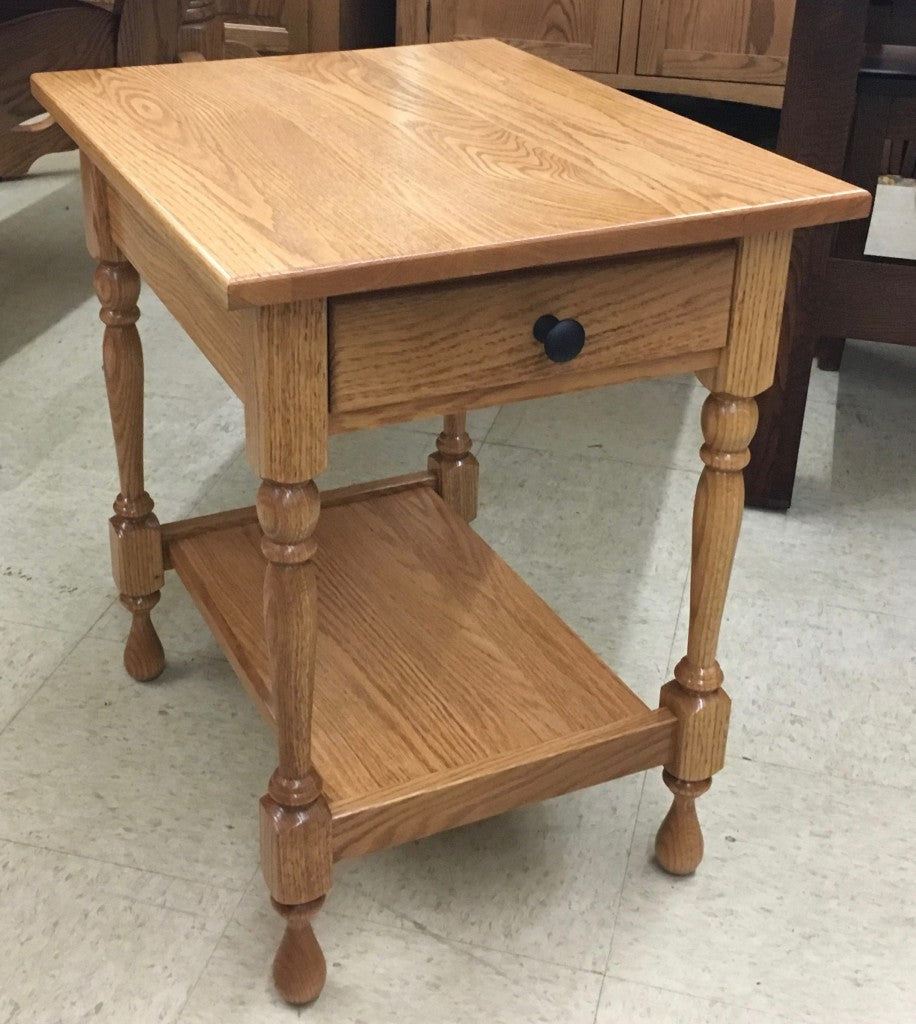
<point>579,34</point>
<point>719,40</point>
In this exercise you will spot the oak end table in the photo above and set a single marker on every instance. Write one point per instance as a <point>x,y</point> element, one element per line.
<point>362,238</point>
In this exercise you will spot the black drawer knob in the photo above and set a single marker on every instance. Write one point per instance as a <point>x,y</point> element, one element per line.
<point>562,339</point>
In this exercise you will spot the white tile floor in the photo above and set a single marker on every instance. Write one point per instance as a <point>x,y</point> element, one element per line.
<point>129,890</point>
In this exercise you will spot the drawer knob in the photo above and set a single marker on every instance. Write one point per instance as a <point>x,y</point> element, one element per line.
<point>562,339</point>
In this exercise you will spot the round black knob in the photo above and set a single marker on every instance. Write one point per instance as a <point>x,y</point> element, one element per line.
<point>562,339</point>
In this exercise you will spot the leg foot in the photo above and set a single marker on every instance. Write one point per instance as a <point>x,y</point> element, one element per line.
<point>144,658</point>
<point>830,353</point>
<point>299,966</point>
<point>679,842</point>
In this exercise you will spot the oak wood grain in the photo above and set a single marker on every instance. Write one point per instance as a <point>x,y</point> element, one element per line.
<point>455,468</point>
<point>695,697</point>
<point>446,346</point>
<point>295,822</point>
<point>96,220</point>
<point>551,167</point>
<point>679,842</point>
<point>749,359</point>
<point>134,529</point>
<point>484,396</point>
<point>419,618</point>
<point>491,787</point>
<point>286,405</point>
<point>183,288</point>
<point>231,518</point>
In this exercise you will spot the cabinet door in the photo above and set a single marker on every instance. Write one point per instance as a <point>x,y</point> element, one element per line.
<point>719,40</point>
<point>579,34</point>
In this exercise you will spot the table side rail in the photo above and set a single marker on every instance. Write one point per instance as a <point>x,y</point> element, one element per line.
<point>219,333</point>
<point>474,792</point>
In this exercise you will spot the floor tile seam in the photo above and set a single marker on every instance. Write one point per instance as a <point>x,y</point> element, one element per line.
<point>230,918</point>
<point>219,659</point>
<point>412,927</point>
<point>825,774</point>
<point>489,430</point>
<point>122,866</point>
<point>623,880</point>
<point>862,610</point>
<point>604,980</point>
<point>70,648</point>
<point>694,474</point>
<point>171,652</point>
<point>728,1003</point>
<point>4,621</point>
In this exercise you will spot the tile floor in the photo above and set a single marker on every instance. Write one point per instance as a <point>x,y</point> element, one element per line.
<point>129,890</point>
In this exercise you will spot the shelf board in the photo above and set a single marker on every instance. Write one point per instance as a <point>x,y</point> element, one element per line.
<point>446,690</point>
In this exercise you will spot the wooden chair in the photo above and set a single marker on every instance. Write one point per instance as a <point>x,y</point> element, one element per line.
<point>863,294</point>
<point>850,110</point>
<point>242,28</point>
<point>49,35</point>
<point>263,26</point>
<point>63,35</point>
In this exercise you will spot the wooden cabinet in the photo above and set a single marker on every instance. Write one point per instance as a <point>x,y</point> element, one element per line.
<point>579,34</point>
<point>718,40</point>
<point>726,49</point>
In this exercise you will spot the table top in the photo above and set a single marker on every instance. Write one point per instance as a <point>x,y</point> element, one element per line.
<point>313,175</point>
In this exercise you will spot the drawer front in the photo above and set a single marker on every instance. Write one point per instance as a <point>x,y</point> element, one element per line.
<point>414,352</point>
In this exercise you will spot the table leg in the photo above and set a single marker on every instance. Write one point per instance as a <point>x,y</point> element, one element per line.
<point>295,820</point>
<point>695,696</point>
<point>136,548</point>
<point>456,468</point>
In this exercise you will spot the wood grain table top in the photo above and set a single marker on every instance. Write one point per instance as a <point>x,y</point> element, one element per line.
<point>312,175</point>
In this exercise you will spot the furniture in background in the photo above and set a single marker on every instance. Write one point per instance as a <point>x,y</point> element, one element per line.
<point>723,49</point>
<point>415,683</point>
<point>850,110</point>
<point>59,35</point>
<point>245,28</point>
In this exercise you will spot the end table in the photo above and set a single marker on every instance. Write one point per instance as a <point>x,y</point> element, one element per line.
<point>362,238</point>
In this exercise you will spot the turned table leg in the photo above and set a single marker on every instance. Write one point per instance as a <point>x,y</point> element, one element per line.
<point>295,820</point>
<point>136,548</point>
<point>455,467</point>
<point>695,696</point>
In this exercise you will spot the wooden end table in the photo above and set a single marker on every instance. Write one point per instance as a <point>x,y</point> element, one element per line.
<point>362,238</point>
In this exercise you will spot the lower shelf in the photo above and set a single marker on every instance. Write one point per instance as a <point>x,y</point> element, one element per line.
<point>446,690</point>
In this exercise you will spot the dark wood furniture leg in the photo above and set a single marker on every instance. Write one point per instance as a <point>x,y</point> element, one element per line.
<point>827,44</point>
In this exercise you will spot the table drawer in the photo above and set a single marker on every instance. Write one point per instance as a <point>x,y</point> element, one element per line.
<point>413,352</point>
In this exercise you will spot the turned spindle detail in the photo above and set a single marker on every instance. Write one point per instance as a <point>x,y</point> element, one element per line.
<point>295,820</point>
<point>695,696</point>
<point>136,548</point>
<point>455,467</point>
